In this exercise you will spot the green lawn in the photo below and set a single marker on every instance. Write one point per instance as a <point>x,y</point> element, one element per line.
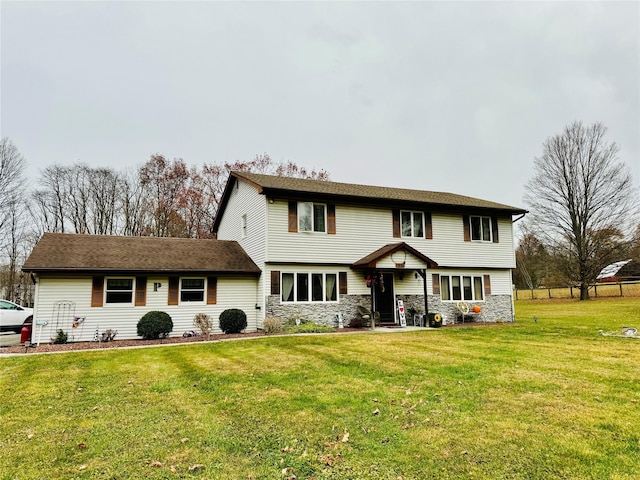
<point>545,399</point>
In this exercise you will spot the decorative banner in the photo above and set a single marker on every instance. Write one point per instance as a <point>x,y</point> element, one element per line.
<point>403,318</point>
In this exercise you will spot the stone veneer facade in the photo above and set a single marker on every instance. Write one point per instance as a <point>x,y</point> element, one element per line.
<point>494,308</point>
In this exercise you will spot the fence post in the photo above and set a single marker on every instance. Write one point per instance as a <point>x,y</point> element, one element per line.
<point>620,285</point>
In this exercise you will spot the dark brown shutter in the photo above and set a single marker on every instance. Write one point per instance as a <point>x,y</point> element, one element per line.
<point>428,227</point>
<point>174,290</point>
<point>97,291</point>
<point>396,223</point>
<point>342,279</point>
<point>293,216</point>
<point>331,218</point>
<point>435,280</point>
<point>467,228</point>
<point>141,291</point>
<point>494,228</point>
<point>487,284</point>
<point>212,290</point>
<point>275,282</point>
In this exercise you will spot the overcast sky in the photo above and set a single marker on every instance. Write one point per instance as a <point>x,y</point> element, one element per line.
<point>451,96</point>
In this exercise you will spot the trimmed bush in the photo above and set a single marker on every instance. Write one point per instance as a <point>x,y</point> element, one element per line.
<point>358,322</point>
<point>233,320</point>
<point>155,325</point>
<point>272,325</point>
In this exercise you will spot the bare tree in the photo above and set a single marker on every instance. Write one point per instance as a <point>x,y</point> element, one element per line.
<point>579,193</point>
<point>12,165</point>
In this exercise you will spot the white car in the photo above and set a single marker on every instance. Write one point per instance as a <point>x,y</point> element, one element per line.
<point>13,316</point>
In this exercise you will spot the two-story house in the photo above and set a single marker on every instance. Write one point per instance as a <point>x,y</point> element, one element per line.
<point>286,248</point>
<point>326,247</point>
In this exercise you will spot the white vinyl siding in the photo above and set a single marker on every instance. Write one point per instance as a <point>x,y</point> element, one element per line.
<point>362,230</point>
<point>250,231</point>
<point>232,292</point>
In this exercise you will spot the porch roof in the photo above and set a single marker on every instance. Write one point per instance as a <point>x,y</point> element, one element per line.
<point>371,260</point>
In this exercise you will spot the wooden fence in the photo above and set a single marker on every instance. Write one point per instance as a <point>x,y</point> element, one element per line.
<point>621,289</point>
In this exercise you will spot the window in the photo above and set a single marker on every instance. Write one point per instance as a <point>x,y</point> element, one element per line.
<point>481,229</point>
<point>312,217</point>
<point>412,224</point>
<point>305,287</point>
<point>119,290</point>
<point>243,226</point>
<point>461,287</point>
<point>192,290</point>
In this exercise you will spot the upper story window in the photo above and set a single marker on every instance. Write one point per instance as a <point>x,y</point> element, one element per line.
<point>312,217</point>
<point>192,289</point>
<point>119,290</point>
<point>412,224</point>
<point>481,229</point>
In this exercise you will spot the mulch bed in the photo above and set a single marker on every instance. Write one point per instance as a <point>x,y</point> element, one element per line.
<point>65,347</point>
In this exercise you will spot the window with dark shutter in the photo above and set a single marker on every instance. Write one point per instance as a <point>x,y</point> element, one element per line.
<point>494,228</point>
<point>396,223</point>
<point>174,290</point>
<point>275,282</point>
<point>435,280</point>
<point>141,292</point>
<point>428,228</point>
<point>467,228</point>
<point>97,291</point>
<point>212,290</point>
<point>293,216</point>
<point>342,279</point>
<point>487,284</point>
<point>331,218</point>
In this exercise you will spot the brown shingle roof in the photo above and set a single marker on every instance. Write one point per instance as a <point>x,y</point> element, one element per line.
<point>269,184</point>
<point>103,253</point>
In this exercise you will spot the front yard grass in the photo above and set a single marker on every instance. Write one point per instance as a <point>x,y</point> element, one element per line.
<point>550,398</point>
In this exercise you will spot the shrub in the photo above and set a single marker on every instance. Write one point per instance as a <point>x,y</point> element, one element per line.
<point>309,327</point>
<point>358,322</point>
<point>294,321</point>
<point>233,320</point>
<point>272,325</point>
<point>60,337</point>
<point>154,325</point>
<point>203,322</point>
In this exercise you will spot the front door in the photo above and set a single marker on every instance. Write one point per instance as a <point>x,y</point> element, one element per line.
<point>384,298</point>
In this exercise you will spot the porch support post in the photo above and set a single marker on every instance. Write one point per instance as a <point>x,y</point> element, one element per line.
<point>373,301</point>
<point>423,274</point>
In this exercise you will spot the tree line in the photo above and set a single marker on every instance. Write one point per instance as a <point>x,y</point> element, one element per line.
<point>583,206</point>
<point>163,197</point>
